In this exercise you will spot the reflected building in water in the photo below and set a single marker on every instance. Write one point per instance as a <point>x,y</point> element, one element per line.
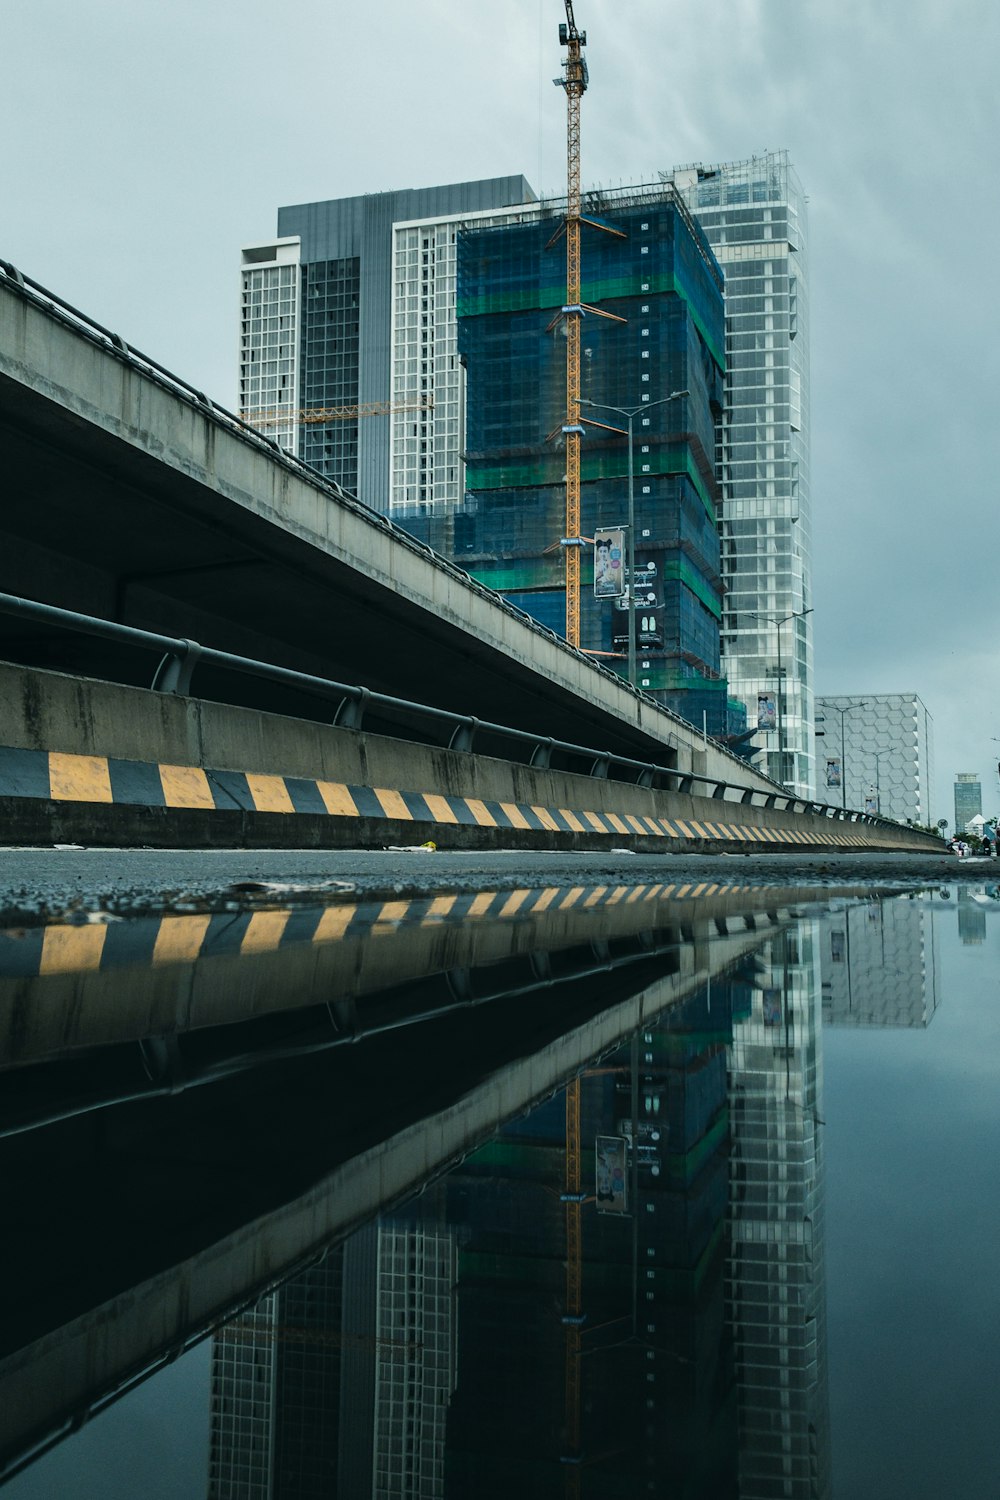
<point>338,1383</point>
<point>972,906</point>
<point>654,1392</point>
<point>432,1355</point>
<point>880,964</point>
<point>776,1279</point>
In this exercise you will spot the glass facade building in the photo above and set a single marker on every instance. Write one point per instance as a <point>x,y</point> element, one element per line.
<point>777,1279</point>
<point>650,272</point>
<point>317,307</point>
<point>754,215</point>
<point>877,754</point>
<point>442,307</point>
<point>968,799</point>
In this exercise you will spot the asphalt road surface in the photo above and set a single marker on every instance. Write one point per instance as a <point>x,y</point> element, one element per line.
<point>40,883</point>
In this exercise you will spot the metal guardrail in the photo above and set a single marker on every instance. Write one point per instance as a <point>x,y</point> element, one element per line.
<point>181,658</point>
<point>55,306</point>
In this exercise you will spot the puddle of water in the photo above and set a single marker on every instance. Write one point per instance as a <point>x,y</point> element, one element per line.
<point>747,1252</point>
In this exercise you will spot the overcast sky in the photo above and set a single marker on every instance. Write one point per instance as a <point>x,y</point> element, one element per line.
<point>145,143</point>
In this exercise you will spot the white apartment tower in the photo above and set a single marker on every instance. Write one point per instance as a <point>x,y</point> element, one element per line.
<point>754,215</point>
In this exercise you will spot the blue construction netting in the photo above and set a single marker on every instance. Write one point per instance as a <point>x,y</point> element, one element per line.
<point>657,277</point>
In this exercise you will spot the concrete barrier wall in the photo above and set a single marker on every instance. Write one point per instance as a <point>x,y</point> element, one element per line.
<point>83,761</point>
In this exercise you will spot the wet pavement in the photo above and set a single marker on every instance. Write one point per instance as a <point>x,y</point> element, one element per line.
<point>36,882</point>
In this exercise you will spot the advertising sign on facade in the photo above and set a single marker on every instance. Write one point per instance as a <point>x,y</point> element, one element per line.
<point>609,563</point>
<point>833,772</point>
<point>611,1176</point>
<point>766,716</point>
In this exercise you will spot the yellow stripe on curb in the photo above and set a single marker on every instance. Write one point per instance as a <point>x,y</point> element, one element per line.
<point>439,808</point>
<point>484,818</point>
<point>337,799</point>
<point>186,786</point>
<point>79,778</point>
<point>269,793</point>
<point>514,813</point>
<point>392,804</point>
<point>546,819</point>
<point>572,820</point>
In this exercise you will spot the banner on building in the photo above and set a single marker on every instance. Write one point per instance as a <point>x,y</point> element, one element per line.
<point>766,716</point>
<point>609,563</point>
<point>833,772</point>
<point>772,1007</point>
<point>611,1175</point>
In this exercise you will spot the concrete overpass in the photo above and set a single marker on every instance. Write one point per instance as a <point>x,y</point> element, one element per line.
<point>130,496</point>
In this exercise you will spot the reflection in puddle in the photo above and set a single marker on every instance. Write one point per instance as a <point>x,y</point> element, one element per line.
<point>611,1286</point>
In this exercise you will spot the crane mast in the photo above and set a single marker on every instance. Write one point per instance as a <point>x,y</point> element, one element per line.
<point>574,81</point>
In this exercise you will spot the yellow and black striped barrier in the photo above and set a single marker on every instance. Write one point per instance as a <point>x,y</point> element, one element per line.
<point>98,781</point>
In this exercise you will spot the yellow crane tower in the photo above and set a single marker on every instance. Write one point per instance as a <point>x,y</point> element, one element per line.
<point>575,82</point>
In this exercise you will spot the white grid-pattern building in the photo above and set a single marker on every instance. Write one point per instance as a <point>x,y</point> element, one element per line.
<point>880,964</point>
<point>754,216</point>
<point>416,1366</point>
<point>243,1411</point>
<point>884,745</point>
<point>269,337</point>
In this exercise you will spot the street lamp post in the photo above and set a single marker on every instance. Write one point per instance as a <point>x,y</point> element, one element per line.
<point>878,758</point>
<point>843,754</point>
<point>629,414</point>
<point>796,614</point>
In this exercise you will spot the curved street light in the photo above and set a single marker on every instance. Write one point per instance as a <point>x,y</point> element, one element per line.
<point>843,757</point>
<point>795,614</point>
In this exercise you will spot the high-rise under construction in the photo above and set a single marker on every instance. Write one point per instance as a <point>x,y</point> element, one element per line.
<point>445,350</point>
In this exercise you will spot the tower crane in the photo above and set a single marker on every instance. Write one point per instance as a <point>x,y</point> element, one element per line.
<point>575,80</point>
<point>277,416</point>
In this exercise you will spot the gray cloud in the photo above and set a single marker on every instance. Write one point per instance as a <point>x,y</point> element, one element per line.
<point>145,144</point>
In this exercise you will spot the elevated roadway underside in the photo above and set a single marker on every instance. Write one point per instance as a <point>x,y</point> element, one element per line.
<point>129,498</point>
